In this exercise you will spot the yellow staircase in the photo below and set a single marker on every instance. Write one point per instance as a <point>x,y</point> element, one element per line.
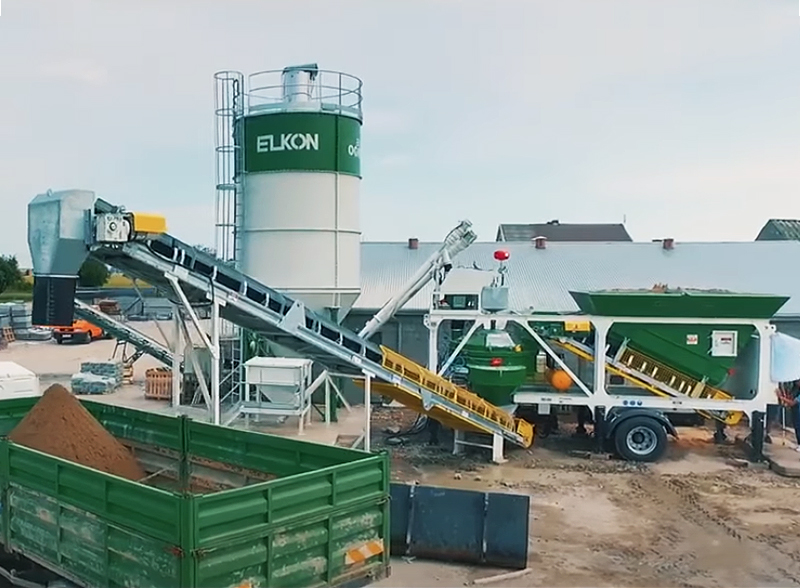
<point>470,412</point>
<point>657,378</point>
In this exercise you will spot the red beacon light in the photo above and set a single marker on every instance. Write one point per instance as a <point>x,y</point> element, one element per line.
<point>502,255</point>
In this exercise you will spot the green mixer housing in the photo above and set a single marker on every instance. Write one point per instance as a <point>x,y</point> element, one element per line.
<point>687,348</point>
<point>497,364</point>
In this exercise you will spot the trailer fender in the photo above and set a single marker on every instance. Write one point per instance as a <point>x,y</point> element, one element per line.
<point>618,415</point>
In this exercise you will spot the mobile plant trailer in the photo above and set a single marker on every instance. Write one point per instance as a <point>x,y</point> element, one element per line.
<point>671,348</point>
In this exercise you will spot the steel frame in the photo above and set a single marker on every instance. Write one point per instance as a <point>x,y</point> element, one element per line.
<point>181,335</point>
<point>211,397</point>
<point>597,395</point>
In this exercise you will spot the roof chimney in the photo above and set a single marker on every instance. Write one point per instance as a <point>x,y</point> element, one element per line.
<point>540,242</point>
<point>413,243</point>
<point>668,244</point>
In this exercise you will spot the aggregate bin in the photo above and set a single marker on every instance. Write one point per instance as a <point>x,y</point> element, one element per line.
<point>222,508</point>
<point>685,346</point>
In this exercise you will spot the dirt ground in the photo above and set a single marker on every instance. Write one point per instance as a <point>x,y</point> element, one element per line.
<point>691,520</point>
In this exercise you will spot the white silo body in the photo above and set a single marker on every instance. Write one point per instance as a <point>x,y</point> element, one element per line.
<point>298,225</point>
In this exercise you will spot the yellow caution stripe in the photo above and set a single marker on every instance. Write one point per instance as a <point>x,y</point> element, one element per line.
<point>366,551</point>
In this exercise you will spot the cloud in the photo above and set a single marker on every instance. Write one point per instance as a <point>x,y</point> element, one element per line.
<point>393,161</point>
<point>714,199</point>
<point>387,121</point>
<point>775,172</point>
<point>673,113</point>
<point>191,223</point>
<point>76,70</point>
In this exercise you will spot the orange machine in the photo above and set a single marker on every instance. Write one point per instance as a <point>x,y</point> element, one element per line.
<point>81,331</point>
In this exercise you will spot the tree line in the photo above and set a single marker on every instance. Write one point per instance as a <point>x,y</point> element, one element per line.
<point>93,274</point>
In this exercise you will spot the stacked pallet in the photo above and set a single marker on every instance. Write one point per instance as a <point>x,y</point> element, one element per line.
<point>17,317</point>
<point>111,369</point>
<point>109,306</point>
<point>5,316</point>
<point>98,377</point>
<point>158,384</point>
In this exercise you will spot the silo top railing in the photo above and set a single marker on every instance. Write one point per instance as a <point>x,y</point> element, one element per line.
<point>329,91</point>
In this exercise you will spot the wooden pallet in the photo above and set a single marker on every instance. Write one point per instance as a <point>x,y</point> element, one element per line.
<point>8,335</point>
<point>127,374</point>
<point>158,384</point>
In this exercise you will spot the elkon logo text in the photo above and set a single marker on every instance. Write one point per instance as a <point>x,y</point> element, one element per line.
<point>287,142</point>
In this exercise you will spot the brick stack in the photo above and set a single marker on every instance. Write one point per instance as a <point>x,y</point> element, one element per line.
<point>98,377</point>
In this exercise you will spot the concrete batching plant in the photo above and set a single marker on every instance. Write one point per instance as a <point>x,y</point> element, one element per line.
<point>288,179</point>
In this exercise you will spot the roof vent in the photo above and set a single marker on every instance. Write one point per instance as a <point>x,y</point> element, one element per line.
<point>540,242</point>
<point>668,244</point>
<point>413,243</point>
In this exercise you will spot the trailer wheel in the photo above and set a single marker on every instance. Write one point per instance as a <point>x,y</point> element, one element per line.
<point>59,339</point>
<point>640,439</point>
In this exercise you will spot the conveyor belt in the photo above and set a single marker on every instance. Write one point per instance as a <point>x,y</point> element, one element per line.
<point>254,306</point>
<point>123,332</point>
<point>656,378</point>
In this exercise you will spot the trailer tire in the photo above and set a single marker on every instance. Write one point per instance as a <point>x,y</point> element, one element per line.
<point>640,439</point>
<point>59,339</point>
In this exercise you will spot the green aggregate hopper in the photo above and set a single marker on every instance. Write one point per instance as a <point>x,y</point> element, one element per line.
<point>686,347</point>
<point>222,508</point>
<point>679,303</point>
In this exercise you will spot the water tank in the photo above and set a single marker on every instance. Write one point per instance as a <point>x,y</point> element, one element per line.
<point>298,136</point>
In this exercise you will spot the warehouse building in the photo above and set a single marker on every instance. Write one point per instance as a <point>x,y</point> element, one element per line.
<point>540,277</point>
<point>777,229</point>
<point>555,230</point>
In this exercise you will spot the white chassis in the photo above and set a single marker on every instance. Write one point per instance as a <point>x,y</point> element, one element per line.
<point>597,396</point>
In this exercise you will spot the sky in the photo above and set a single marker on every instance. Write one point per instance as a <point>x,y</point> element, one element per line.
<point>680,118</point>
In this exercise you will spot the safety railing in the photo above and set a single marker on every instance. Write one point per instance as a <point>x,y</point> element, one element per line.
<point>465,399</point>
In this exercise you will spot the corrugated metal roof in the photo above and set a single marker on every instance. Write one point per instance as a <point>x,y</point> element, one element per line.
<point>556,231</point>
<point>542,279</point>
<point>777,228</point>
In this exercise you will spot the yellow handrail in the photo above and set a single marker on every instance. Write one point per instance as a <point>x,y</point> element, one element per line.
<point>467,400</point>
<point>731,418</point>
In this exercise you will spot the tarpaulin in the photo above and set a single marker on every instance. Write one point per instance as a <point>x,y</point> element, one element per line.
<point>785,358</point>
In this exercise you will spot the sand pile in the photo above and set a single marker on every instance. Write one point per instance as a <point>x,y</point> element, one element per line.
<point>61,426</point>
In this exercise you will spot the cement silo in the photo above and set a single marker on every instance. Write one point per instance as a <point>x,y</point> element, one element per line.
<point>290,210</point>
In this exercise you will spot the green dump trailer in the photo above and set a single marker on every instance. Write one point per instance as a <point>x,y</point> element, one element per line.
<point>280,513</point>
<point>686,347</point>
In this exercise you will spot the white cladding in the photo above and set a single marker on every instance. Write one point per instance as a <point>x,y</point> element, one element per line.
<point>300,233</point>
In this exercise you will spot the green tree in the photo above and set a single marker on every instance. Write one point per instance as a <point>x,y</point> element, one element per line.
<point>93,274</point>
<point>10,274</point>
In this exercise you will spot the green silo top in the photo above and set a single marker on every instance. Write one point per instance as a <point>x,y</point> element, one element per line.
<point>664,302</point>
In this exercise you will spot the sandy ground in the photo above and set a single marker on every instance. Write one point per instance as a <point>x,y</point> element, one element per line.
<point>691,520</point>
<point>56,363</point>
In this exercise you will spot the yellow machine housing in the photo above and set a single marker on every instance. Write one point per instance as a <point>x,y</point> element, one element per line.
<point>144,223</point>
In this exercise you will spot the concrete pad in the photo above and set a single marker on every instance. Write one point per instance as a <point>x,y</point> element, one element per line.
<point>783,460</point>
